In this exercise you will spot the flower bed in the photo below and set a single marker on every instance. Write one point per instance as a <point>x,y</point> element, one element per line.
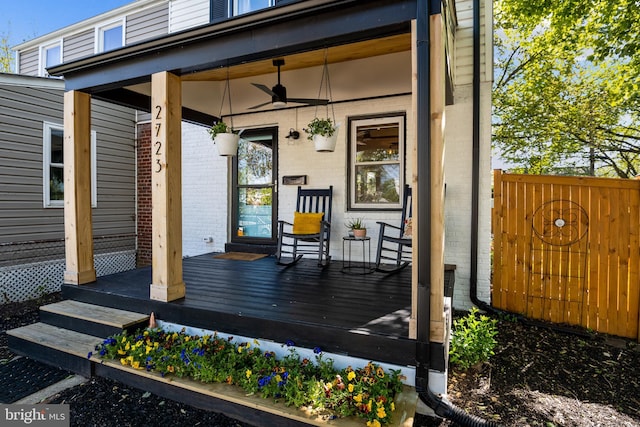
<point>367,392</point>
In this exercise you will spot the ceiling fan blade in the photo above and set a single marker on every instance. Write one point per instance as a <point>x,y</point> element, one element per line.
<point>264,88</point>
<point>309,101</point>
<point>259,105</point>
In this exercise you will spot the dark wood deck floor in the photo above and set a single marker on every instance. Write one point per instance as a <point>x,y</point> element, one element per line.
<point>363,316</point>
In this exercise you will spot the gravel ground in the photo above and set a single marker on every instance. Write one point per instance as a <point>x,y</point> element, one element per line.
<point>538,377</point>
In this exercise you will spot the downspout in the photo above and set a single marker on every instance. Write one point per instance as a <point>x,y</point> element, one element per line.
<point>440,406</point>
<point>475,162</point>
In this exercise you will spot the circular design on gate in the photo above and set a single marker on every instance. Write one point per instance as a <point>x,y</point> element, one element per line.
<point>560,222</point>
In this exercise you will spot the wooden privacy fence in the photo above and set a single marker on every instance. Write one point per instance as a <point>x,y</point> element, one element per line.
<point>567,250</point>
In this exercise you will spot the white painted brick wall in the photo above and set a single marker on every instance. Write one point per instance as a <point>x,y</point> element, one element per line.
<point>458,177</point>
<point>204,193</point>
<point>298,157</point>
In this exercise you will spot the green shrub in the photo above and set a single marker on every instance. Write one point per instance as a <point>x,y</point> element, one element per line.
<point>473,339</point>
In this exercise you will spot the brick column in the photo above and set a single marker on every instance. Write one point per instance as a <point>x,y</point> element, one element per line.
<point>143,208</point>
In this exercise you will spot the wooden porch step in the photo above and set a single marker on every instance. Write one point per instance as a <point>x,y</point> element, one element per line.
<point>55,346</point>
<point>90,318</point>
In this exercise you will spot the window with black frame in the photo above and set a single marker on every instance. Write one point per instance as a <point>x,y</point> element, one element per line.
<point>376,162</point>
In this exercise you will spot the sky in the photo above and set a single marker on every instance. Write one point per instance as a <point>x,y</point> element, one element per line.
<point>23,20</point>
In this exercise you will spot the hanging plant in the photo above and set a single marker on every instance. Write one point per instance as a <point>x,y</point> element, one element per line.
<point>319,126</point>
<point>324,131</point>
<point>225,136</point>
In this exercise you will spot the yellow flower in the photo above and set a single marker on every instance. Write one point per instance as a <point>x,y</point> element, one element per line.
<point>381,412</point>
<point>350,388</point>
<point>351,376</point>
<point>138,344</point>
<point>155,344</point>
<point>369,405</point>
<point>358,397</point>
<point>393,406</point>
<point>124,339</point>
<point>329,386</point>
<point>255,341</point>
<point>374,423</point>
<point>380,372</point>
<point>174,336</point>
<point>278,378</point>
<point>121,352</point>
<point>187,338</point>
<point>248,373</point>
<point>146,333</point>
<point>170,368</point>
<point>240,349</point>
<point>127,347</point>
<point>124,361</point>
<point>136,364</point>
<point>148,349</point>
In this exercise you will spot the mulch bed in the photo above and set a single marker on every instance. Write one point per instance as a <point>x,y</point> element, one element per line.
<point>26,377</point>
<point>538,377</point>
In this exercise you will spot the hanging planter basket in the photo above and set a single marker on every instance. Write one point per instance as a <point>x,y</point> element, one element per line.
<point>227,143</point>
<point>223,135</point>
<point>325,144</point>
<point>324,131</point>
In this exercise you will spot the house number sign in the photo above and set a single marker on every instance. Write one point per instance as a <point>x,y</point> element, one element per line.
<point>157,146</point>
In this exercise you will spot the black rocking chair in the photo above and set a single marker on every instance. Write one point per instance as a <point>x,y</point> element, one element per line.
<point>310,232</point>
<point>394,242</point>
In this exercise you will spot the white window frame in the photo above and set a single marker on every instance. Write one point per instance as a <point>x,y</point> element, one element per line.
<point>42,65</point>
<point>99,35</point>
<point>47,127</point>
<point>373,120</point>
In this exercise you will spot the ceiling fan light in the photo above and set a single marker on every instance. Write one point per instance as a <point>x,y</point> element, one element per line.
<point>278,104</point>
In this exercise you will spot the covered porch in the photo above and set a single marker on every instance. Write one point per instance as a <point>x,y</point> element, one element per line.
<point>398,319</point>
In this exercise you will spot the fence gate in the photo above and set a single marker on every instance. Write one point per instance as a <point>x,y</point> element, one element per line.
<point>567,250</point>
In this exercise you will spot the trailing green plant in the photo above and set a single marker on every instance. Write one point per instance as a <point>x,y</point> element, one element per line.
<point>220,127</point>
<point>319,126</point>
<point>473,339</point>
<point>367,392</point>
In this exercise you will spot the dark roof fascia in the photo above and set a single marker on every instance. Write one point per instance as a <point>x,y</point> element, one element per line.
<point>280,31</point>
<point>139,101</point>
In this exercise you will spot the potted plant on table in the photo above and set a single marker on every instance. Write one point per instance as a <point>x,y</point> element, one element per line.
<point>323,133</point>
<point>357,227</point>
<point>225,138</point>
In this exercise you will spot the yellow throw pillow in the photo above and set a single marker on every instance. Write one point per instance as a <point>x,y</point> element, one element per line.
<point>306,223</point>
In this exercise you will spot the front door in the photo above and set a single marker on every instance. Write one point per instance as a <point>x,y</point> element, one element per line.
<point>254,180</point>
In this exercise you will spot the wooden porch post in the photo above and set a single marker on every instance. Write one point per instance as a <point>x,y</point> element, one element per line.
<point>437,73</point>
<point>77,189</point>
<point>166,181</point>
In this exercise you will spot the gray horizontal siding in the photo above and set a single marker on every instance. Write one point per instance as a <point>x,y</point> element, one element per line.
<point>79,45</point>
<point>29,60</point>
<point>22,215</point>
<point>188,14</point>
<point>149,23</point>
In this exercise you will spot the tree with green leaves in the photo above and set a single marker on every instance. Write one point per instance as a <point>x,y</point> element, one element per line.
<point>5,54</point>
<point>566,86</point>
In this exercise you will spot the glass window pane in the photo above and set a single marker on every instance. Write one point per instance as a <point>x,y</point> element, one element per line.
<point>52,56</point>
<point>246,6</point>
<point>254,216</point>
<point>255,161</point>
<point>56,183</point>
<point>377,183</point>
<point>57,154</point>
<point>377,142</point>
<point>112,38</point>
